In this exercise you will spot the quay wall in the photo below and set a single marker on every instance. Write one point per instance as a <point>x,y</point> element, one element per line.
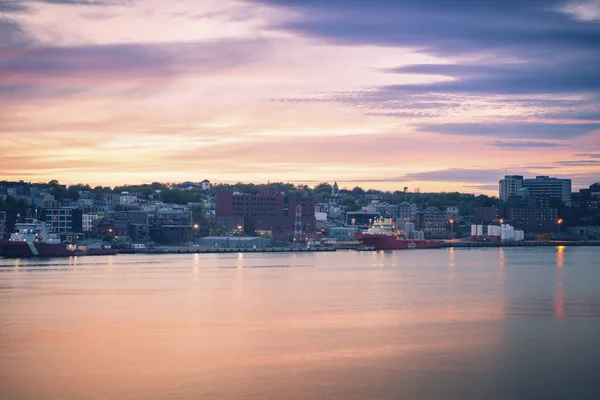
<point>524,243</point>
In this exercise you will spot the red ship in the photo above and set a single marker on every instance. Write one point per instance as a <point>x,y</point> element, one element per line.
<point>31,239</point>
<point>382,236</point>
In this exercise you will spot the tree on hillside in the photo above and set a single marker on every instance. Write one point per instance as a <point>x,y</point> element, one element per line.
<point>350,203</point>
<point>358,190</point>
<point>323,187</point>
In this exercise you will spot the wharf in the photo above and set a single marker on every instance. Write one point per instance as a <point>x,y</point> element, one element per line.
<point>523,243</point>
<point>212,250</point>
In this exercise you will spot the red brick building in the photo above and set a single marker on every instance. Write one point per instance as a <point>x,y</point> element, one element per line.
<point>273,210</point>
<point>521,217</point>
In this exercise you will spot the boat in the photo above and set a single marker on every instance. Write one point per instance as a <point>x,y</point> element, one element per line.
<point>32,239</point>
<point>382,236</point>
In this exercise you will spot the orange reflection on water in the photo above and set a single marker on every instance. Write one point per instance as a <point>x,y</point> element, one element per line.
<point>560,256</point>
<point>559,294</point>
<point>238,332</point>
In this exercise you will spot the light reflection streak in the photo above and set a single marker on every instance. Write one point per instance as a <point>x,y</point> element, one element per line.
<point>559,293</point>
<point>501,263</point>
<point>196,266</point>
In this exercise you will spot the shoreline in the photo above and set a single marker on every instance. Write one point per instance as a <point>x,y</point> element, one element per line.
<point>523,243</point>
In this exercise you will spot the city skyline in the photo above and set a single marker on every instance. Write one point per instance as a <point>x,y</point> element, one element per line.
<point>446,96</point>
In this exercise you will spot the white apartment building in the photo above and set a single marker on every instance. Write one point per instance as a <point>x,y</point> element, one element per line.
<point>509,186</point>
<point>552,187</point>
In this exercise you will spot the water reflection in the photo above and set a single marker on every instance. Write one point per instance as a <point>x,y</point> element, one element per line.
<point>333,325</point>
<point>560,256</point>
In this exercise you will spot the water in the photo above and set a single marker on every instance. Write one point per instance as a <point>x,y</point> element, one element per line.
<point>482,323</point>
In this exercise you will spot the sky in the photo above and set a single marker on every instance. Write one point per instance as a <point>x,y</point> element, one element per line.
<point>436,95</point>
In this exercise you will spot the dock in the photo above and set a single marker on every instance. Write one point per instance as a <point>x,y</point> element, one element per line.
<point>217,250</point>
<point>549,243</point>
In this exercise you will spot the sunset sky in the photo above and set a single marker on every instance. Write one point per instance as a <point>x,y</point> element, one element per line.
<point>440,95</point>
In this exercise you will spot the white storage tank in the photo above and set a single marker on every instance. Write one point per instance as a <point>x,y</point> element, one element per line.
<point>473,232</point>
<point>479,231</point>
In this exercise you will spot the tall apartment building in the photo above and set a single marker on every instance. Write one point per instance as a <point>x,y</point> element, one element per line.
<point>554,188</point>
<point>509,186</point>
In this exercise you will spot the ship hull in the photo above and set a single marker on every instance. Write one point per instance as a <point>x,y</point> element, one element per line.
<point>390,242</point>
<point>10,249</point>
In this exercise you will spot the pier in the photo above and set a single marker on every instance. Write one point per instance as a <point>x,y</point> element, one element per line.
<point>220,250</point>
<point>464,244</point>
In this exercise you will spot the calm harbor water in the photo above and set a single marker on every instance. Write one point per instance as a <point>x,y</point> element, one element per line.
<point>430,324</point>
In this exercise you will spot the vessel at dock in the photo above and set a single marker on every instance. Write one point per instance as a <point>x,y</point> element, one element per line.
<point>32,239</point>
<point>382,236</point>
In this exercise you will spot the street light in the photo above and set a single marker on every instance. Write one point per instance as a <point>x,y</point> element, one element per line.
<point>501,221</point>
<point>560,221</point>
<point>451,229</point>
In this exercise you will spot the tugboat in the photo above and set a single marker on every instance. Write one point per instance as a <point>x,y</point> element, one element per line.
<point>382,236</point>
<point>32,239</point>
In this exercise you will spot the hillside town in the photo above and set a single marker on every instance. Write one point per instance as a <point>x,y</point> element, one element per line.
<point>248,215</point>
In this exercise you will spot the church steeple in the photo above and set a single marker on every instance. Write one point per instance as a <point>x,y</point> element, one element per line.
<point>335,189</point>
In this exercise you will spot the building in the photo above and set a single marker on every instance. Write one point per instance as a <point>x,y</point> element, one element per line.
<point>64,220</point>
<point>171,225</point>
<point>554,188</point>
<point>205,184</point>
<point>509,186</point>
<point>519,216</point>
<point>433,222</point>
<point>585,232</point>
<point>588,200</point>
<point>87,222</point>
<point>272,210</point>
<point>486,215</point>
<point>239,242</point>
<point>407,211</point>
<point>361,218</point>
<point>139,225</point>
<point>127,198</point>
<point>2,224</point>
<point>525,217</point>
<point>343,233</point>
<point>453,212</point>
<point>335,189</point>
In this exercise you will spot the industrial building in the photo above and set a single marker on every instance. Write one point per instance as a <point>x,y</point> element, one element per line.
<point>272,210</point>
